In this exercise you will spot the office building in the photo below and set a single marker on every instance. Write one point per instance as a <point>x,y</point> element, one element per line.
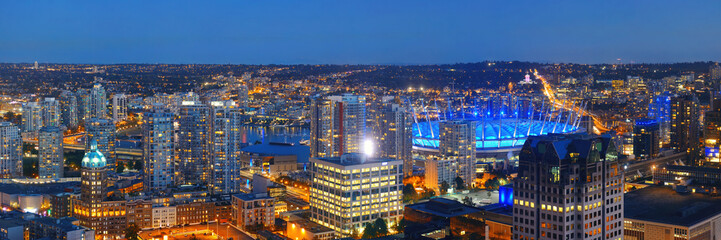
<point>658,212</point>
<point>11,151</point>
<point>685,126</point>
<point>712,132</point>
<point>50,153</point>
<point>84,104</point>
<point>351,190</point>
<point>192,147</point>
<point>68,109</point>
<point>50,112</point>
<point>458,139</point>
<point>102,131</point>
<point>440,170</point>
<point>224,139</point>
<point>568,187</point>
<point>715,72</point>
<point>120,107</point>
<point>393,132</point>
<point>660,109</point>
<point>645,139</point>
<point>337,125</point>
<point>98,102</point>
<point>158,153</point>
<point>243,97</point>
<point>273,158</point>
<point>32,117</point>
<point>92,209</point>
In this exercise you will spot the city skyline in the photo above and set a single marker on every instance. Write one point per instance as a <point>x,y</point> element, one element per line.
<point>324,32</point>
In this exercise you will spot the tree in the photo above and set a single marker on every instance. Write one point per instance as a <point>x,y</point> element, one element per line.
<point>400,226</point>
<point>381,227</point>
<point>444,187</point>
<point>138,165</point>
<point>131,232</point>
<point>354,233</point>
<point>409,193</point>
<point>492,184</point>
<point>370,231</point>
<point>120,168</point>
<point>459,183</point>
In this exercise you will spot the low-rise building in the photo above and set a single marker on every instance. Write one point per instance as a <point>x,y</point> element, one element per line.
<point>273,158</point>
<point>164,216</point>
<point>253,209</point>
<point>305,229</point>
<point>660,213</point>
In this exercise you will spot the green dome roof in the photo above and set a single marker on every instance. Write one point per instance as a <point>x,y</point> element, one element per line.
<point>94,158</point>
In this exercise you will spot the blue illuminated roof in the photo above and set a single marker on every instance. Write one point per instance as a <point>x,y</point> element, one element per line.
<point>496,133</point>
<point>94,158</point>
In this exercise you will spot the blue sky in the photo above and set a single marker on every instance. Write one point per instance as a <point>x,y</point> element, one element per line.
<point>358,32</point>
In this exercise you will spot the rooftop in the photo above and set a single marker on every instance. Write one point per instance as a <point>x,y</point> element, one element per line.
<point>664,205</point>
<point>280,149</point>
<point>350,159</point>
<point>46,188</point>
<point>443,207</point>
<point>309,226</point>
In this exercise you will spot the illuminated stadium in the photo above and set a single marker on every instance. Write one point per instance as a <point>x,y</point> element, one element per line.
<point>502,131</point>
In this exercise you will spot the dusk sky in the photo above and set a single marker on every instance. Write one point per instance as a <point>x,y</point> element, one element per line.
<point>358,32</point>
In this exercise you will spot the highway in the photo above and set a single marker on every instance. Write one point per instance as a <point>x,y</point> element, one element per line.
<point>645,167</point>
<point>551,94</point>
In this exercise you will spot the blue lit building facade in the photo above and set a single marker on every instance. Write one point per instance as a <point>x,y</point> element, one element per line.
<point>660,109</point>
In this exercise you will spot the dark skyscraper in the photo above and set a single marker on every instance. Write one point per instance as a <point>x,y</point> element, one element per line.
<point>645,138</point>
<point>685,126</point>
<point>568,187</point>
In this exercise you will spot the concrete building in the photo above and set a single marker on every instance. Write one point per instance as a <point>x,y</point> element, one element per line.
<point>435,219</point>
<point>660,213</point>
<point>83,100</point>
<point>439,170</point>
<point>158,153</point>
<point>193,144</point>
<point>273,158</point>
<point>106,217</point>
<point>164,216</point>
<point>120,107</point>
<point>103,132</point>
<point>660,109</point>
<point>458,139</point>
<point>299,228</point>
<point>32,117</point>
<point>38,227</point>
<point>253,209</point>
<point>11,150</point>
<point>50,153</point>
<point>351,190</point>
<point>225,142</point>
<point>68,109</point>
<point>394,125</point>
<point>646,139</point>
<point>337,125</point>
<point>712,133</point>
<point>98,102</point>
<point>685,126</point>
<point>50,112</point>
<point>568,187</point>
<point>140,213</point>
